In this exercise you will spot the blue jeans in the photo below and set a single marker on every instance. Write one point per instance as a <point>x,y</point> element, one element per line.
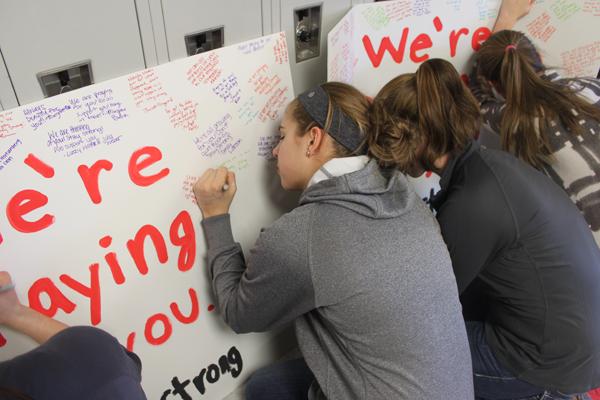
<point>287,380</point>
<point>493,381</point>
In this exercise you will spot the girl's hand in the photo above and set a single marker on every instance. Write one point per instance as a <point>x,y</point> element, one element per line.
<point>214,191</point>
<point>510,12</point>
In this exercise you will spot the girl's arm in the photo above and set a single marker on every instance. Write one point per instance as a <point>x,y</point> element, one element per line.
<point>22,318</point>
<point>490,105</point>
<point>510,12</point>
<point>274,286</point>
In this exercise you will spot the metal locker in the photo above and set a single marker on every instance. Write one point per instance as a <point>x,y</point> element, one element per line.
<point>8,99</point>
<point>306,24</point>
<point>187,27</point>
<point>55,46</point>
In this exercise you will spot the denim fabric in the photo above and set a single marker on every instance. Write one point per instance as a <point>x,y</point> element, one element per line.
<point>287,380</point>
<point>493,381</point>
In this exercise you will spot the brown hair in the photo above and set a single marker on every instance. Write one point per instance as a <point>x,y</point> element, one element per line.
<point>531,101</point>
<point>417,118</point>
<point>349,100</point>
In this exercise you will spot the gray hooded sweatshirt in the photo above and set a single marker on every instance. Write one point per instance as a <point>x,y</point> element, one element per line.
<point>362,271</point>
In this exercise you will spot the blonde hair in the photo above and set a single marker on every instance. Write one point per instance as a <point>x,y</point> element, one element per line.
<point>349,100</point>
<point>509,59</point>
<point>417,118</point>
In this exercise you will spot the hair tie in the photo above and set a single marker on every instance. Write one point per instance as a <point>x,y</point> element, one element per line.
<point>509,47</point>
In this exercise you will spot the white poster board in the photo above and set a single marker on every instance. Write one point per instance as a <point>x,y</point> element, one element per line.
<point>376,42</point>
<point>99,224</point>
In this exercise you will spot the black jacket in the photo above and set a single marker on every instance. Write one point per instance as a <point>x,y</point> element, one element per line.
<point>80,362</point>
<point>515,237</point>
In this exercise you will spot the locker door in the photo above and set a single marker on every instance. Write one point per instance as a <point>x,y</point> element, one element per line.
<point>206,23</point>
<point>7,94</point>
<point>45,35</point>
<point>311,71</point>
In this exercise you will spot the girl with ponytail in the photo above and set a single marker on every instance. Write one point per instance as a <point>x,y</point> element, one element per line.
<point>525,261</point>
<point>359,267</point>
<point>549,122</point>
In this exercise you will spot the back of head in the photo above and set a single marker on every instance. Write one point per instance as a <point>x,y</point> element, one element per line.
<point>417,118</point>
<point>510,60</point>
<point>493,51</point>
<point>345,104</point>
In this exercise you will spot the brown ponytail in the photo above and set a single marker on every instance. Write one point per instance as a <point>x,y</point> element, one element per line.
<point>417,118</point>
<point>509,59</point>
<point>448,112</point>
<point>395,139</point>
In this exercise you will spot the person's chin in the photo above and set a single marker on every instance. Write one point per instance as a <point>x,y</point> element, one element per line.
<point>290,187</point>
<point>282,183</point>
<point>285,186</point>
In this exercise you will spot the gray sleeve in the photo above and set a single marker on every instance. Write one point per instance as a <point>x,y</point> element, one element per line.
<point>270,290</point>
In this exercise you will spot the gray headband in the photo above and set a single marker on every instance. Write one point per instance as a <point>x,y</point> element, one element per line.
<point>343,128</point>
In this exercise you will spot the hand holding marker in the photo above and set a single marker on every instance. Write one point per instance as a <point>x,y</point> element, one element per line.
<point>214,191</point>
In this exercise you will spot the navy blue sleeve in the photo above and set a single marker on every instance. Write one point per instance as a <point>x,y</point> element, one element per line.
<point>79,362</point>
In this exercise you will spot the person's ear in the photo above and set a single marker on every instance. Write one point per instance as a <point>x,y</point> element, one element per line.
<point>315,142</point>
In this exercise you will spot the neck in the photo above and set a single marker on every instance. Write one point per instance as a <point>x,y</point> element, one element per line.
<point>313,166</point>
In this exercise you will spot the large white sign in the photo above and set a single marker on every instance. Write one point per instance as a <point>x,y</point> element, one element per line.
<point>99,224</point>
<point>376,42</point>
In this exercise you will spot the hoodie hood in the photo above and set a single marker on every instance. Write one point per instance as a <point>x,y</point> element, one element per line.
<point>371,191</point>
